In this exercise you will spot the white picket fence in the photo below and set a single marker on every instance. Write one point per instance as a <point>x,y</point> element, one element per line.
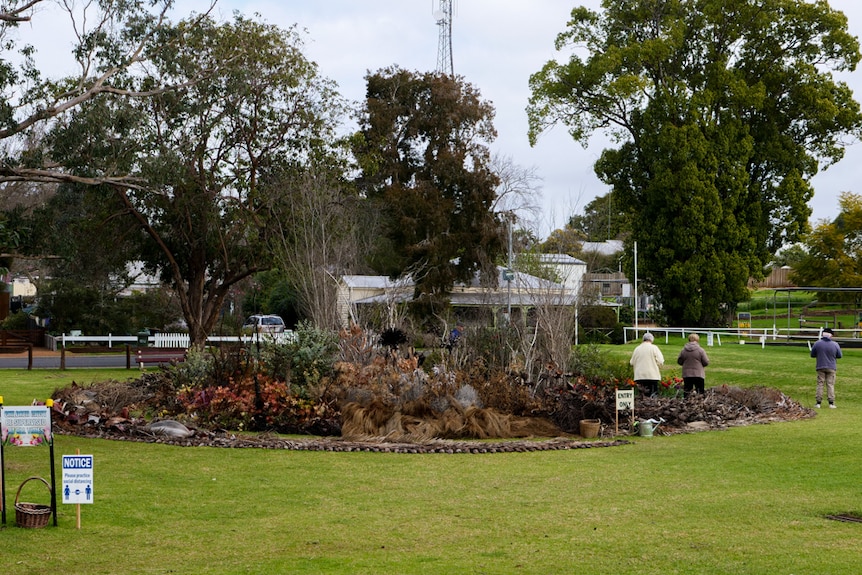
<point>160,339</point>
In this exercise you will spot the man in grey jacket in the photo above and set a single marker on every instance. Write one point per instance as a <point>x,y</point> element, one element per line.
<point>827,353</point>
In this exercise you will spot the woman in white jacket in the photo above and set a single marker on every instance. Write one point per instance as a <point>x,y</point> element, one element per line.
<point>647,361</point>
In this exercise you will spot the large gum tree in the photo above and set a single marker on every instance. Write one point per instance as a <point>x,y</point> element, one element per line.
<point>109,41</point>
<point>112,40</point>
<point>721,112</point>
<point>202,159</point>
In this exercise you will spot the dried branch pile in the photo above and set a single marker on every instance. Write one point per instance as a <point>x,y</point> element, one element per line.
<point>721,407</point>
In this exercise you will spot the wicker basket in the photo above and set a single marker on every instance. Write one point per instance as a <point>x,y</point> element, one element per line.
<point>32,515</point>
<point>590,427</point>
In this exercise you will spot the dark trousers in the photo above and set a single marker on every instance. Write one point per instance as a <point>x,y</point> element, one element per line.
<point>650,386</point>
<point>690,384</point>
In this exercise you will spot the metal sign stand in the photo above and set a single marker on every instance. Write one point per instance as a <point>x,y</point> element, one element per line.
<point>31,426</point>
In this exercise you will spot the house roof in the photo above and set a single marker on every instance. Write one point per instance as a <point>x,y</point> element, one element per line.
<point>607,248</point>
<point>560,259</point>
<point>373,282</point>
<point>520,280</point>
<point>499,297</point>
<point>502,297</point>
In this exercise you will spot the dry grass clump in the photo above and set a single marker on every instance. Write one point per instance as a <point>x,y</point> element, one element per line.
<point>417,422</point>
<point>392,398</point>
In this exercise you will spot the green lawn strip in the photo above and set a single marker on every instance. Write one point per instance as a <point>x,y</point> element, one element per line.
<point>746,500</point>
<point>22,386</point>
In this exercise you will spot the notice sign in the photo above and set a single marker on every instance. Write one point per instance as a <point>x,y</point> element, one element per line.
<point>26,425</point>
<point>625,399</point>
<point>77,479</point>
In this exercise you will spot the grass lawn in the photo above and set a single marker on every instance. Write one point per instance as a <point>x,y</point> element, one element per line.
<point>746,500</point>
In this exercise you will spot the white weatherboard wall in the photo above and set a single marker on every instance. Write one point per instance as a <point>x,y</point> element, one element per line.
<point>570,270</point>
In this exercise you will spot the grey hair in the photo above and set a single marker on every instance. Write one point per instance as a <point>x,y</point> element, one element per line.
<point>648,336</point>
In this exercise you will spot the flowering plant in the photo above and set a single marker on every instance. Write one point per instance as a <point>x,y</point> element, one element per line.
<point>671,386</point>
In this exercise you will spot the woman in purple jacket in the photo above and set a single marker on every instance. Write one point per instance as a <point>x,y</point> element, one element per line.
<point>693,359</point>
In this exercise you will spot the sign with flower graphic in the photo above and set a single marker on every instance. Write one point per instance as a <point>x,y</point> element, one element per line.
<point>25,426</point>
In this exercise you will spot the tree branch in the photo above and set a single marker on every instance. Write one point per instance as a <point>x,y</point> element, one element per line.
<point>13,15</point>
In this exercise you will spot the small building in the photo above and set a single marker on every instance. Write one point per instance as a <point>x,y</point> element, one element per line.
<point>569,270</point>
<point>514,292</point>
<point>608,285</point>
<point>777,278</point>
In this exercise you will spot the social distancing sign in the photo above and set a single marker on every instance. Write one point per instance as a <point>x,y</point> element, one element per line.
<point>77,479</point>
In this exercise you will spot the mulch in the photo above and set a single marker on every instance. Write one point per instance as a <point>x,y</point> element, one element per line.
<point>102,411</point>
<point>135,431</point>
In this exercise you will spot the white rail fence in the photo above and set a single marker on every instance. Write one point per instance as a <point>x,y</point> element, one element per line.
<point>759,335</point>
<point>159,340</point>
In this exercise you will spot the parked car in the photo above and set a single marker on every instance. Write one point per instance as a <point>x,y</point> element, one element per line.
<point>263,324</point>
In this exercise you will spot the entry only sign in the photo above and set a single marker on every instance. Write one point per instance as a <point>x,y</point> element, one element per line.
<point>625,399</point>
<point>77,479</point>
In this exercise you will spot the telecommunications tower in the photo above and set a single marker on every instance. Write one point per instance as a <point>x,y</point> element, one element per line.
<point>443,15</point>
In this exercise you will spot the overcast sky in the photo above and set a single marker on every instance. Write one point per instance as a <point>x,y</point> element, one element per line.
<point>496,45</point>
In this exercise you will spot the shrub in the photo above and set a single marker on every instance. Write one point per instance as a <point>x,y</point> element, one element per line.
<point>589,361</point>
<point>598,324</point>
<point>233,389</point>
<point>488,348</point>
<point>195,371</point>
<point>17,320</point>
<point>303,361</point>
<point>256,402</point>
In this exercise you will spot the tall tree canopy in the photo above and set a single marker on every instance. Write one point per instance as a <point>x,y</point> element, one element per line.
<point>422,148</point>
<point>112,40</point>
<point>723,111</point>
<point>203,156</point>
<point>89,243</point>
<point>834,249</point>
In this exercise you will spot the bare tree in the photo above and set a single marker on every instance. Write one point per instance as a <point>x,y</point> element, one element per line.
<point>519,191</point>
<point>317,241</point>
<point>545,335</point>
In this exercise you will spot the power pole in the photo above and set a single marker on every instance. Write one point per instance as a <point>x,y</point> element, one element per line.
<point>444,48</point>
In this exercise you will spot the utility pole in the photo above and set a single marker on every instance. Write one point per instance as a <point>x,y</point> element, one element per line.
<point>443,16</point>
<point>510,274</point>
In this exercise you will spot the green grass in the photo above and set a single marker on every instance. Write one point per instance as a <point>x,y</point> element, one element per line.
<point>746,500</point>
<point>21,386</point>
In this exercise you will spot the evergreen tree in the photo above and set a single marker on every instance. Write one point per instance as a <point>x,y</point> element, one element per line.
<point>723,111</point>
<point>422,148</point>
